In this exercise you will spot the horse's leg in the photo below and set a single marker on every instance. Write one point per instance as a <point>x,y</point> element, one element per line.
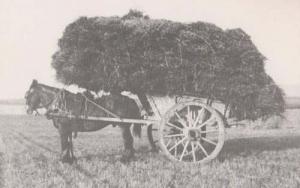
<point>128,143</point>
<point>71,148</point>
<point>64,133</point>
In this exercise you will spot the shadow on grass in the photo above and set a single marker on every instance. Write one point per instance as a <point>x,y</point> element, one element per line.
<point>28,139</point>
<point>67,180</point>
<point>109,158</point>
<point>255,145</point>
<point>86,172</point>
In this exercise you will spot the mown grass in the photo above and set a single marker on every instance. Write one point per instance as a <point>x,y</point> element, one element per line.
<point>250,158</point>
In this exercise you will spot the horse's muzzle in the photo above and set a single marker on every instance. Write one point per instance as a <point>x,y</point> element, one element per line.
<point>29,111</point>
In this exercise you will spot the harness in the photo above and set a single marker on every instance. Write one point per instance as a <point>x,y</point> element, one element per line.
<point>60,105</point>
<point>55,103</point>
<point>98,106</point>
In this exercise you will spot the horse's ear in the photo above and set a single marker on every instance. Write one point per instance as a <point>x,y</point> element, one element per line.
<point>34,83</point>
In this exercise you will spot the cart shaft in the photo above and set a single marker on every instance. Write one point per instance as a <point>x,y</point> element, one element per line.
<point>107,119</point>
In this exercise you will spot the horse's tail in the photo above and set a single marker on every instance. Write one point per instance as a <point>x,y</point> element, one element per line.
<point>137,130</point>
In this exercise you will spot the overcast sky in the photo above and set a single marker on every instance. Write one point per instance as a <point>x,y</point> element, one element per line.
<point>30,29</point>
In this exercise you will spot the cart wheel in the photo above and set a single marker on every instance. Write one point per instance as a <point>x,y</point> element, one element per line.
<point>192,132</point>
<point>152,133</point>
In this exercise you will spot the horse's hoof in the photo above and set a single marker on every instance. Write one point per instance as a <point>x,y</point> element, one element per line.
<point>67,160</point>
<point>125,159</point>
<point>70,161</point>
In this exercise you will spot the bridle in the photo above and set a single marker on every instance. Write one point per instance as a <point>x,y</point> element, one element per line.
<point>41,103</point>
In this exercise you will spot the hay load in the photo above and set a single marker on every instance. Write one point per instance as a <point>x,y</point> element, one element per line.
<point>162,57</point>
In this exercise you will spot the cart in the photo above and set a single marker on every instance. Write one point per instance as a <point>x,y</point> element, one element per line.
<point>189,131</point>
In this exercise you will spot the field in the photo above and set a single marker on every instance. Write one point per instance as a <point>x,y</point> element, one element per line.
<point>292,102</point>
<point>251,157</point>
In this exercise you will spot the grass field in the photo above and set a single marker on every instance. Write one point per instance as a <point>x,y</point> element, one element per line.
<point>292,102</point>
<point>250,158</point>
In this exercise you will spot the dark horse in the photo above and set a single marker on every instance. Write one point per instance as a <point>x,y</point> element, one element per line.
<point>54,99</point>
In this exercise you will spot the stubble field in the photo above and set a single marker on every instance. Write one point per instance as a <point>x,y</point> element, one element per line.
<point>251,157</point>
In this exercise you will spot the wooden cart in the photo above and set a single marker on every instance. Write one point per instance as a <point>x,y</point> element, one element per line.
<point>189,131</point>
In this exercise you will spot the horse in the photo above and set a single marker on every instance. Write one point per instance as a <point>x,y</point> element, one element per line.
<point>54,99</point>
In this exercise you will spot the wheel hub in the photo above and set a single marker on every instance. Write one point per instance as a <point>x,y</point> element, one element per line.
<point>192,134</point>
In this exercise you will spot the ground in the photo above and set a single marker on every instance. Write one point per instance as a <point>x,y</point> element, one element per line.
<point>251,157</point>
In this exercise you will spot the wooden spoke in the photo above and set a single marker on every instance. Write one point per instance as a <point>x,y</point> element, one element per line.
<point>188,116</point>
<point>169,142</point>
<point>177,115</point>
<point>174,126</point>
<point>182,144</point>
<point>209,141</point>
<point>193,152</point>
<point>194,117</point>
<point>175,153</point>
<point>207,121</point>
<point>180,120</point>
<point>198,117</point>
<point>202,148</point>
<point>183,151</point>
<point>176,144</point>
<point>182,123</point>
<point>173,135</point>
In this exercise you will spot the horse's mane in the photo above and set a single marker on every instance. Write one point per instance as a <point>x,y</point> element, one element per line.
<point>49,87</point>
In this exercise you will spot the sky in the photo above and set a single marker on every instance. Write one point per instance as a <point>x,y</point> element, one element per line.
<point>30,29</point>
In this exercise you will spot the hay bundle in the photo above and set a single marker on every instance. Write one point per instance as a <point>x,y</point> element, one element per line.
<point>161,57</point>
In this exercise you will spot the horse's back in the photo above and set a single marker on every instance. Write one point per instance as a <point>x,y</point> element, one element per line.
<point>122,106</point>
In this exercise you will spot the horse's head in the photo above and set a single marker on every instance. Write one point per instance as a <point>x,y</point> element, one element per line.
<point>33,97</point>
